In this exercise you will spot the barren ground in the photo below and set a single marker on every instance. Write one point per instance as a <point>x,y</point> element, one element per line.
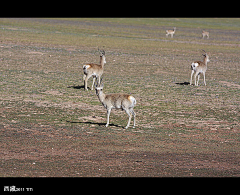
<point>51,127</point>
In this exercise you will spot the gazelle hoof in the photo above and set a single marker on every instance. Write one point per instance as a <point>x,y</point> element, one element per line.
<point>106,125</point>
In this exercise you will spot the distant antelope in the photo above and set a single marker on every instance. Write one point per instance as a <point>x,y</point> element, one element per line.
<point>94,70</point>
<point>118,101</point>
<point>170,32</point>
<point>200,67</point>
<point>205,33</point>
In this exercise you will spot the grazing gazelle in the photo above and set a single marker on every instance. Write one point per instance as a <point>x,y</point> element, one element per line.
<point>118,101</point>
<point>199,67</point>
<point>205,33</point>
<point>94,70</point>
<point>170,32</point>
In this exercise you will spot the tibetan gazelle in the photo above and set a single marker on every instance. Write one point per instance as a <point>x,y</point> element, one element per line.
<point>118,101</point>
<point>205,33</point>
<point>199,67</point>
<point>94,70</point>
<point>170,32</point>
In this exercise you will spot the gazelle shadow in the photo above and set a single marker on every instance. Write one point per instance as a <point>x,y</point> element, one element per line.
<point>184,83</point>
<point>93,123</point>
<point>76,87</point>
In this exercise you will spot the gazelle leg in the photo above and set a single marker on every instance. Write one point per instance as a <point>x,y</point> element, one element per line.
<point>99,78</point>
<point>93,82</point>
<point>108,114</point>
<point>204,78</point>
<point>195,76</point>
<point>84,76</point>
<point>191,77</point>
<point>134,115</point>
<point>198,79</point>
<point>85,81</point>
<point>129,120</point>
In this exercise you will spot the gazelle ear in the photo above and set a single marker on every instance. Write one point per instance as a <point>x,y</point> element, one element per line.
<point>103,52</point>
<point>204,51</point>
<point>100,52</point>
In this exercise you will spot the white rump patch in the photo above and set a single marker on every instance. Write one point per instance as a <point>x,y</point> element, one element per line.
<point>86,66</point>
<point>132,99</point>
<point>195,64</point>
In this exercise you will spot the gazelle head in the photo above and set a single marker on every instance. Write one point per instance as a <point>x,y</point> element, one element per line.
<point>102,56</point>
<point>206,56</point>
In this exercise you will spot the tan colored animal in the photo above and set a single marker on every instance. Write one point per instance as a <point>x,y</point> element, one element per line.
<point>171,32</point>
<point>205,33</point>
<point>199,67</point>
<point>118,101</point>
<point>94,70</point>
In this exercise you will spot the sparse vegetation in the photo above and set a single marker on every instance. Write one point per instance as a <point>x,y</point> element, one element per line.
<point>50,126</point>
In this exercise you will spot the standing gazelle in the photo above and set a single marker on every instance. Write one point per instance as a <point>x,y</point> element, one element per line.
<point>118,101</point>
<point>199,67</point>
<point>171,32</point>
<point>94,70</point>
<point>205,33</point>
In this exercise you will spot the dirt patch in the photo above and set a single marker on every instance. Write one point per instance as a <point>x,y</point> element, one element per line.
<point>35,52</point>
<point>63,105</point>
<point>92,118</point>
<point>53,92</point>
<point>49,151</point>
<point>230,84</point>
